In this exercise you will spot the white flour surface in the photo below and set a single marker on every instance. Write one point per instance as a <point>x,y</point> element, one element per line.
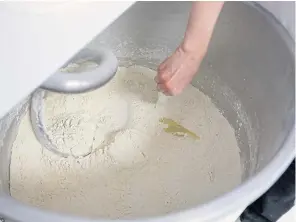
<point>135,169</point>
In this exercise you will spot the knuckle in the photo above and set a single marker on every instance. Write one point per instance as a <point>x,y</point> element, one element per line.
<point>163,77</point>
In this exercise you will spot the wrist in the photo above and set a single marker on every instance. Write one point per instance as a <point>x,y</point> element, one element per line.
<point>197,48</point>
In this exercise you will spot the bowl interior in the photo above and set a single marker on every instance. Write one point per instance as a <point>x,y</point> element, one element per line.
<point>248,72</point>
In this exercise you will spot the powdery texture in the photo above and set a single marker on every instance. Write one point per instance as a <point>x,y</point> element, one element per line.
<point>135,168</point>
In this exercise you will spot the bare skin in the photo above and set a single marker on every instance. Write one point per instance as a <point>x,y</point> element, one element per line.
<point>177,71</point>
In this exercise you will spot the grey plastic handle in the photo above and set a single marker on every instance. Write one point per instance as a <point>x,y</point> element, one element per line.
<point>66,82</point>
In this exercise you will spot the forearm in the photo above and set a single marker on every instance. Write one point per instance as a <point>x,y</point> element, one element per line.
<point>201,25</point>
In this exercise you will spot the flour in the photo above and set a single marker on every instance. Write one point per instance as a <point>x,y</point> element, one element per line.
<point>135,169</point>
<point>77,124</point>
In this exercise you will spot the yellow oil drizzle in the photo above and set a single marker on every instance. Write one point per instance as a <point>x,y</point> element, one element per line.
<point>176,129</point>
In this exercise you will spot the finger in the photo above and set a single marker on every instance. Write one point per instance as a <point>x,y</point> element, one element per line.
<point>172,80</point>
<point>164,72</point>
<point>166,89</point>
<point>163,89</point>
<point>164,76</point>
<point>159,88</point>
<point>175,86</point>
<point>163,65</point>
<point>179,81</point>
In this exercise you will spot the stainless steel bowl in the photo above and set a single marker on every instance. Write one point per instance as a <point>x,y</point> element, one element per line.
<point>248,72</point>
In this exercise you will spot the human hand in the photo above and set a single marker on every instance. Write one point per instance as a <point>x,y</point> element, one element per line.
<point>177,71</point>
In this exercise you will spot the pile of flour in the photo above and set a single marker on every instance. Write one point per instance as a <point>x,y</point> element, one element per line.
<point>134,169</point>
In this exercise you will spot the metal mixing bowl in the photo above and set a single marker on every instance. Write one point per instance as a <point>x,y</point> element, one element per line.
<point>248,72</point>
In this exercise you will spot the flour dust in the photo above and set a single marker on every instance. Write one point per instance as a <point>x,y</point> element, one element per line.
<point>135,168</point>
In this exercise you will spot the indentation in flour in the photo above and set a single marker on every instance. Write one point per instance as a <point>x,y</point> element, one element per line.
<point>129,147</point>
<point>70,132</point>
<point>76,133</point>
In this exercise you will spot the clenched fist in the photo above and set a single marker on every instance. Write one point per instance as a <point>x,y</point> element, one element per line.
<point>177,71</point>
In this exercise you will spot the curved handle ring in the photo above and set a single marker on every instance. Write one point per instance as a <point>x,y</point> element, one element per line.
<point>89,79</point>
